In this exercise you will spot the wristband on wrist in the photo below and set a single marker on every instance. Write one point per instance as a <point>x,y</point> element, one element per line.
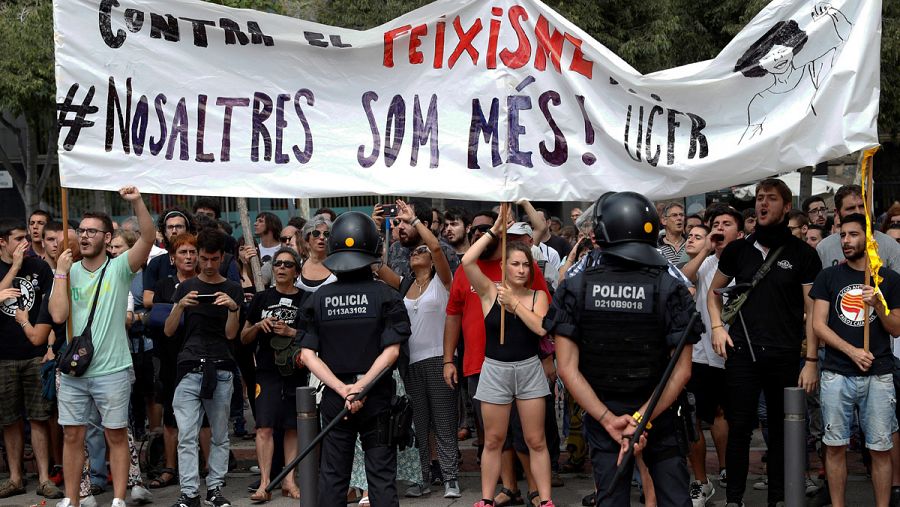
<point>447,362</point>
<point>811,359</point>
<point>491,233</point>
<point>60,276</point>
<point>415,222</point>
<point>718,326</point>
<point>600,419</point>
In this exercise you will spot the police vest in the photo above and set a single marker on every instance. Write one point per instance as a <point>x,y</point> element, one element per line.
<point>622,346</point>
<point>350,324</point>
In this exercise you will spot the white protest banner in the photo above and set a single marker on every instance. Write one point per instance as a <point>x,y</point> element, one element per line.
<point>458,99</point>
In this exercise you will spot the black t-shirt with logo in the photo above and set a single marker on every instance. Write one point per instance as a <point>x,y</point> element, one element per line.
<point>204,324</point>
<point>841,286</point>
<point>774,309</point>
<point>34,279</point>
<point>271,303</point>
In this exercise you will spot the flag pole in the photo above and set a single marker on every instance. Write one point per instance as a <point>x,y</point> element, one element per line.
<point>64,204</point>
<point>503,215</point>
<point>867,185</point>
<point>255,270</point>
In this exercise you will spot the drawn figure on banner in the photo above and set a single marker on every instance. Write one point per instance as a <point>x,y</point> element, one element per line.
<point>796,60</point>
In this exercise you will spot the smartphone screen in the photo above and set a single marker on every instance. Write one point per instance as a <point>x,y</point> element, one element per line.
<point>206,298</point>
<point>390,210</point>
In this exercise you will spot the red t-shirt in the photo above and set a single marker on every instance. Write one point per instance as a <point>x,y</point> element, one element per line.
<point>465,301</point>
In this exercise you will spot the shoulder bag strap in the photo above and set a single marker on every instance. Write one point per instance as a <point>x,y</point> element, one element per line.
<point>764,269</point>
<point>96,296</point>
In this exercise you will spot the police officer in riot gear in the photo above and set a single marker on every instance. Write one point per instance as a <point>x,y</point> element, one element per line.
<point>616,325</point>
<point>351,331</point>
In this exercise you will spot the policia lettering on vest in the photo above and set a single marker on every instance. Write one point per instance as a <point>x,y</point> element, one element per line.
<point>350,331</point>
<point>616,325</point>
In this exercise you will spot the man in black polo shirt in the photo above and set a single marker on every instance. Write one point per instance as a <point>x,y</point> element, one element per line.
<point>762,345</point>
<point>205,368</point>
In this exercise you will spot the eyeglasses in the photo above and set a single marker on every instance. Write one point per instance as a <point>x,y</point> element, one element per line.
<point>675,215</point>
<point>88,232</point>
<point>419,250</point>
<point>286,264</point>
<point>818,211</point>
<point>316,233</point>
<point>176,227</point>
<point>286,239</point>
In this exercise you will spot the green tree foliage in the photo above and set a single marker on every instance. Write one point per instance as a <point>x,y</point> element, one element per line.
<point>27,91</point>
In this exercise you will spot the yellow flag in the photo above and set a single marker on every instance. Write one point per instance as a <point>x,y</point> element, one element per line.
<point>871,245</point>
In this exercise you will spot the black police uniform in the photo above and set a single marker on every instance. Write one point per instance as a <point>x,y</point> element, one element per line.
<point>625,317</point>
<point>349,323</point>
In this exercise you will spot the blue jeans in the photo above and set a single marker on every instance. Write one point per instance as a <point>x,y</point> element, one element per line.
<point>872,394</point>
<point>95,440</point>
<point>189,409</point>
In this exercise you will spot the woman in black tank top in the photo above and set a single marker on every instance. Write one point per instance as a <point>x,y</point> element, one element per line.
<point>507,362</point>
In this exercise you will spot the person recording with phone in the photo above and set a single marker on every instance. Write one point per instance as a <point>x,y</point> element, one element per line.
<point>407,237</point>
<point>209,306</point>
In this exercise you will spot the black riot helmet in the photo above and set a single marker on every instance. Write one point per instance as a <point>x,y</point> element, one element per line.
<point>353,243</point>
<point>626,225</point>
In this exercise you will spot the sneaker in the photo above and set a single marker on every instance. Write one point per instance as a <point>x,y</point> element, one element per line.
<point>56,475</point>
<point>255,470</point>
<point>118,502</point>
<point>895,496</point>
<point>187,501</point>
<point>88,501</point>
<point>762,484</point>
<point>811,487</point>
<point>723,478</point>
<point>417,490</point>
<point>214,497</point>
<point>734,504</point>
<point>701,493</point>
<point>451,489</point>
<point>141,495</point>
<point>65,502</point>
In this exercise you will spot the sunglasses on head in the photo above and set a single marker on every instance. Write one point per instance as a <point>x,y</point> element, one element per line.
<point>316,233</point>
<point>286,264</point>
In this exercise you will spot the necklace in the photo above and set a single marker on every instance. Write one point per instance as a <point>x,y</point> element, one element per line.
<point>421,288</point>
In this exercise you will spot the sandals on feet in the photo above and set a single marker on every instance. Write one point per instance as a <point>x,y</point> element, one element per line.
<point>291,492</point>
<point>160,482</point>
<point>512,498</point>
<point>261,496</point>
<point>364,502</point>
<point>532,496</point>
<point>9,488</point>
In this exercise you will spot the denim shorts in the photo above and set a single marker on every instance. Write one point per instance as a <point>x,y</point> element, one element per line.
<point>873,395</point>
<point>110,393</point>
<point>501,382</point>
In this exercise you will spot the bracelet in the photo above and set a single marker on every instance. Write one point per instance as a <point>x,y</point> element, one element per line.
<point>811,359</point>
<point>235,310</point>
<point>23,324</point>
<point>415,222</point>
<point>638,417</point>
<point>600,419</point>
<point>448,362</point>
<point>60,276</point>
<point>720,325</point>
<point>491,233</point>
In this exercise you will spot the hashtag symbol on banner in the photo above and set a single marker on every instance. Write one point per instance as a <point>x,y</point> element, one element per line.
<point>78,122</point>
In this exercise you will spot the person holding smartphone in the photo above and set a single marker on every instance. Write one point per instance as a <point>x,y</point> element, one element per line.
<point>205,368</point>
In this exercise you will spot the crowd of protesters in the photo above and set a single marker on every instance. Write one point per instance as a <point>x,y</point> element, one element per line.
<point>181,338</point>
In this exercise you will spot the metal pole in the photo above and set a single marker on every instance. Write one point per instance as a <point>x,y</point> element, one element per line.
<point>307,430</point>
<point>794,446</point>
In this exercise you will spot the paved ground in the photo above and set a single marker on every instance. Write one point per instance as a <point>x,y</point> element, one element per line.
<point>577,485</point>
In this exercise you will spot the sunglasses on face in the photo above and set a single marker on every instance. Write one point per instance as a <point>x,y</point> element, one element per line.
<point>285,239</point>
<point>316,233</point>
<point>286,264</point>
<point>395,222</point>
<point>483,228</point>
<point>421,249</point>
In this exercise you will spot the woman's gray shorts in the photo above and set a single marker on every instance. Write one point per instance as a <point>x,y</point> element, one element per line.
<point>502,382</point>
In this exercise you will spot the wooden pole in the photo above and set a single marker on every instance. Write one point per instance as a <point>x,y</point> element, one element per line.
<point>503,214</point>
<point>64,197</point>
<point>255,270</point>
